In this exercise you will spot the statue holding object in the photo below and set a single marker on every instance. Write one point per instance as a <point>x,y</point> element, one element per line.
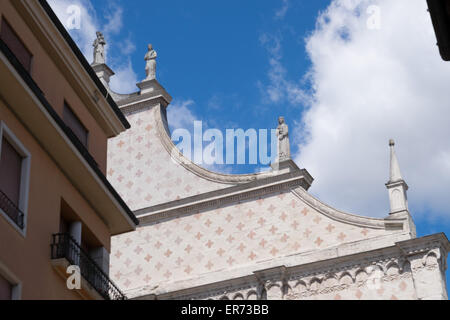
<point>284,149</point>
<point>99,49</point>
<point>150,68</point>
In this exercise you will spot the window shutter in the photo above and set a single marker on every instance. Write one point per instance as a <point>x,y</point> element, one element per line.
<point>72,121</point>
<point>13,42</point>
<point>10,172</point>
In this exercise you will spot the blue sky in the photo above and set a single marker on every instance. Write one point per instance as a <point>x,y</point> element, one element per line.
<point>215,54</point>
<point>344,88</point>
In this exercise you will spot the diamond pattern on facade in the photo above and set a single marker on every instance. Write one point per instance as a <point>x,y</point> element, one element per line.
<point>224,238</point>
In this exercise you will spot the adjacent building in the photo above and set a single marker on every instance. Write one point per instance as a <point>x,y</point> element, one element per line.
<point>56,206</point>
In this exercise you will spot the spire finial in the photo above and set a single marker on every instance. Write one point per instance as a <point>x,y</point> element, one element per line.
<point>396,185</point>
<point>395,174</point>
<point>391,143</point>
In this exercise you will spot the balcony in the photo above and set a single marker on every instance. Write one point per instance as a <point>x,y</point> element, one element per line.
<point>64,247</point>
<point>11,210</point>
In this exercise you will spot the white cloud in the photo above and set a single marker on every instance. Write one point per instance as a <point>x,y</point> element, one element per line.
<point>125,79</point>
<point>272,43</point>
<point>180,116</point>
<point>369,86</point>
<point>279,89</point>
<point>215,102</point>
<point>127,47</point>
<point>85,36</point>
<point>281,13</point>
<point>114,19</point>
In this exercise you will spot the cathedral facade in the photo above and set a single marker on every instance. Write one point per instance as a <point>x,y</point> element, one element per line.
<point>207,235</point>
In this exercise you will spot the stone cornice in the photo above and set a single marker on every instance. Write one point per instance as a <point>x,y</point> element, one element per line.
<point>221,197</point>
<point>99,67</point>
<point>147,103</point>
<point>397,184</point>
<point>439,240</point>
<point>146,98</point>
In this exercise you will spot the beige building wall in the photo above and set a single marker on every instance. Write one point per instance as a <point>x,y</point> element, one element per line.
<point>59,176</point>
<point>52,80</point>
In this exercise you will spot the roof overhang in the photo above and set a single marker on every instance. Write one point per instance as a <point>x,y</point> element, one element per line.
<point>440,16</point>
<point>54,38</point>
<point>27,102</point>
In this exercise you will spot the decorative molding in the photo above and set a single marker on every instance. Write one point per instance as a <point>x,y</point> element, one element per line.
<point>119,97</point>
<point>411,247</point>
<point>355,271</point>
<point>219,198</point>
<point>346,217</point>
<point>301,284</point>
<point>144,96</point>
<point>146,104</point>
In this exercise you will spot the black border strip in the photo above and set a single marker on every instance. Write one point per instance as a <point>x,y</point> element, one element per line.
<point>78,145</point>
<point>84,62</point>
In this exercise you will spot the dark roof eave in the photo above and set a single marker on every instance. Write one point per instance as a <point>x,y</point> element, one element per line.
<point>441,23</point>
<point>84,62</point>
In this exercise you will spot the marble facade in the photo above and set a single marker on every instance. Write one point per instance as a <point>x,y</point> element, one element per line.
<point>207,235</point>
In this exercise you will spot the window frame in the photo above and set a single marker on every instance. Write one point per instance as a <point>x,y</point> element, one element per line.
<point>30,70</point>
<point>16,284</point>
<point>6,133</point>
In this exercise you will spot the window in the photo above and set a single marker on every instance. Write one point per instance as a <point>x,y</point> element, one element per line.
<point>10,172</point>
<point>63,225</point>
<point>14,178</point>
<point>72,121</point>
<point>10,285</point>
<point>14,44</point>
<point>5,289</point>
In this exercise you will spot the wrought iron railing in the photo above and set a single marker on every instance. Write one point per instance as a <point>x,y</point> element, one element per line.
<point>11,210</point>
<point>64,246</point>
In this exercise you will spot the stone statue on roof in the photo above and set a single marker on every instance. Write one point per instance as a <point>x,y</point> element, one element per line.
<point>284,149</point>
<point>150,68</point>
<point>99,49</point>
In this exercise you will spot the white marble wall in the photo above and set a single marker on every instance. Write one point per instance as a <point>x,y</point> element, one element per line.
<point>227,238</point>
<point>417,272</point>
<point>143,172</point>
